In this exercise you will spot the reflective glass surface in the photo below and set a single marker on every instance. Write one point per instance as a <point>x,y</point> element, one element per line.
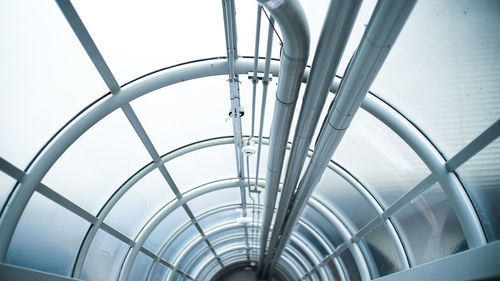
<point>47,237</point>
<point>104,259</point>
<point>431,227</point>
<point>481,176</point>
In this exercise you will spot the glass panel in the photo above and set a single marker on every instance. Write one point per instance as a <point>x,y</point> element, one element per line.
<point>6,185</point>
<point>388,164</point>
<point>311,240</point>
<point>90,171</point>
<point>141,267</point>
<point>227,233</point>
<point>452,47</point>
<point>201,246</point>
<point>207,260</point>
<point>219,218</point>
<point>350,265</point>
<point>334,190</point>
<point>481,177</point>
<point>383,251</point>
<point>305,259</point>
<point>165,229</point>
<point>214,199</point>
<point>333,269</point>
<point>292,259</point>
<point>186,112</point>
<point>135,47</point>
<point>238,241</point>
<point>104,259</point>
<point>203,166</point>
<point>325,228</point>
<point>139,204</point>
<point>180,243</point>
<point>47,237</point>
<point>46,77</point>
<point>160,273</point>
<point>246,16</point>
<point>431,227</point>
<point>177,277</point>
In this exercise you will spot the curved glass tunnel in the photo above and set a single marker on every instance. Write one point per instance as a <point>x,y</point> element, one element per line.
<point>250,140</point>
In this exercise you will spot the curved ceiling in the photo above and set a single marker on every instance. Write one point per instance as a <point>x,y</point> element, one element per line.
<point>149,181</point>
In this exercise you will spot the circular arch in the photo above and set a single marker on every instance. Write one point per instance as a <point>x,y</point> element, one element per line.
<point>384,112</point>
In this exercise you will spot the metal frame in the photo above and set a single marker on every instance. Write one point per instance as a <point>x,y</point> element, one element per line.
<point>394,120</point>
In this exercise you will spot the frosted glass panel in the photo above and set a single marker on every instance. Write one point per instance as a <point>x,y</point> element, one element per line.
<point>382,249</point>
<point>227,233</point>
<point>47,237</point>
<point>176,247</point>
<point>139,204</point>
<point>160,273</point>
<point>443,70</point>
<point>203,166</point>
<point>431,227</point>
<point>237,241</point>
<point>214,199</point>
<point>198,249</point>
<point>45,77</point>
<point>311,240</point>
<point>219,218</point>
<point>136,47</point>
<point>104,259</point>
<point>93,168</point>
<point>141,267</point>
<point>379,158</point>
<point>166,229</point>
<point>186,112</point>
<point>481,177</point>
<point>325,228</point>
<point>336,191</point>
<point>350,266</point>
<point>6,185</point>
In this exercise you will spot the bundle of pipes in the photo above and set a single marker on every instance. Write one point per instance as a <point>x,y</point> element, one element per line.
<point>385,24</point>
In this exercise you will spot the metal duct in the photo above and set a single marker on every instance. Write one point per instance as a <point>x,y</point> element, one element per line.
<point>289,15</point>
<point>384,27</point>
<point>335,33</point>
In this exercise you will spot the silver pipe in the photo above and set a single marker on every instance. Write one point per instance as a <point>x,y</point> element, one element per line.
<point>332,41</point>
<point>234,89</point>
<point>255,64</point>
<point>384,26</point>
<point>293,23</point>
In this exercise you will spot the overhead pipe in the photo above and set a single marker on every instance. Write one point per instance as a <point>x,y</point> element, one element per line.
<point>295,51</point>
<point>385,25</point>
<point>234,90</point>
<point>335,33</point>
